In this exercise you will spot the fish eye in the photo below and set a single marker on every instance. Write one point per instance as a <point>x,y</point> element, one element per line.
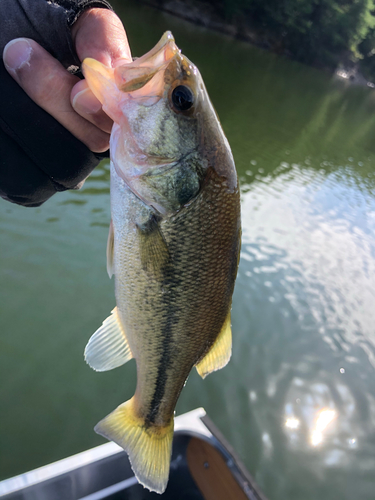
<point>182,98</point>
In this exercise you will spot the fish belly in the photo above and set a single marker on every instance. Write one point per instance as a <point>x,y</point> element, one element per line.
<point>172,315</point>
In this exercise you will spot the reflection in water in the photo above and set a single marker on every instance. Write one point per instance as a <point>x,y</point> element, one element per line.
<point>325,417</point>
<point>321,232</point>
<point>306,288</point>
<point>74,201</point>
<point>292,423</point>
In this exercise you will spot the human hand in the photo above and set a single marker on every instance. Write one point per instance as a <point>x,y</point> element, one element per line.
<point>98,33</point>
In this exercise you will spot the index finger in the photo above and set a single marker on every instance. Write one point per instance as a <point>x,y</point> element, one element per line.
<point>100,34</point>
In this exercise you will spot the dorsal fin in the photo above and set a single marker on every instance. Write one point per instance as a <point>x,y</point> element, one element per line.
<point>220,353</point>
<point>108,347</point>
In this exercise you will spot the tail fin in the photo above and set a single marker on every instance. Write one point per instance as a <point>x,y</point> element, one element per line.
<point>149,448</point>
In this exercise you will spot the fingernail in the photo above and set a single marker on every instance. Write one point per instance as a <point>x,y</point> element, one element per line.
<point>17,53</point>
<point>121,62</point>
<point>86,102</point>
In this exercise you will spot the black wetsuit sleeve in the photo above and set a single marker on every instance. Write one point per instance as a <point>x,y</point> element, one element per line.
<point>38,156</point>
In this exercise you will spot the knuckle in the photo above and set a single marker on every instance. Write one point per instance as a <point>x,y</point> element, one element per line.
<point>98,142</point>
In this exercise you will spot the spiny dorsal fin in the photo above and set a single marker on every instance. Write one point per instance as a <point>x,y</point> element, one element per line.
<point>220,353</point>
<point>153,247</point>
<point>110,248</point>
<point>108,347</point>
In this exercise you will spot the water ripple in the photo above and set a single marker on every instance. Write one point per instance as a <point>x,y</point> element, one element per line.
<point>306,285</point>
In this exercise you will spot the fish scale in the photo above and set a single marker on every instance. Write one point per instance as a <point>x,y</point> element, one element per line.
<point>173,246</point>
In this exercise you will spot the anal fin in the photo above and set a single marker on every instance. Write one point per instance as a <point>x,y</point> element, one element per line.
<point>108,347</point>
<point>220,353</point>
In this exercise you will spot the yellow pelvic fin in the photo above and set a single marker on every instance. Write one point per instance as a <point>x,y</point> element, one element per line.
<point>108,347</point>
<point>149,447</point>
<point>110,249</point>
<point>220,353</point>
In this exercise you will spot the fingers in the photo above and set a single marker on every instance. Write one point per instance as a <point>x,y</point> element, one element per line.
<point>87,105</point>
<point>99,34</point>
<point>47,82</point>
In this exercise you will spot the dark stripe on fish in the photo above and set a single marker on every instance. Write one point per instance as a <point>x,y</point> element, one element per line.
<point>164,364</point>
<point>170,280</point>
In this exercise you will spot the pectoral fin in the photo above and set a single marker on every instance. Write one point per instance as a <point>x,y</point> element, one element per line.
<point>154,251</point>
<point>219,354</point>
<point>108,347</point>
<point>110,249</point>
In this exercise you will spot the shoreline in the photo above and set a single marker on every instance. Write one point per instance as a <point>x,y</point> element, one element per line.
<point>203,15</point>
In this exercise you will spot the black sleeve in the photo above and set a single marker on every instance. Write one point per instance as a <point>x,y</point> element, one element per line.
<point>38,156</point>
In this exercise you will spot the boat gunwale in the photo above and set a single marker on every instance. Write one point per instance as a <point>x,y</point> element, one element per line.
<point>195,423</point>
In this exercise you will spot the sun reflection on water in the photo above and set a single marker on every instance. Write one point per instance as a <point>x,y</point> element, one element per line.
<point>292,423</point>
<point>325,417</point>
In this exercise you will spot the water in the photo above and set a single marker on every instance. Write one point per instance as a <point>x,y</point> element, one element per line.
<point>297,400</point>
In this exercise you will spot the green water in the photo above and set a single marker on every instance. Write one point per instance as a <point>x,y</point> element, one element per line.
<point>297,400</point>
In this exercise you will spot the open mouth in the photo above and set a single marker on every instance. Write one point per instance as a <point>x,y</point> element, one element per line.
<point>141,79</point>
<point>136,75</point>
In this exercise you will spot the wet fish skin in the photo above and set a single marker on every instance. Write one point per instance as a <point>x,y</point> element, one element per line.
<point>176,310</point>
<point>173,248</point>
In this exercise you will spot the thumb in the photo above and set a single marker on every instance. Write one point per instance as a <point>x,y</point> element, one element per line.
<point>48,84</point>
<point>100,34</point>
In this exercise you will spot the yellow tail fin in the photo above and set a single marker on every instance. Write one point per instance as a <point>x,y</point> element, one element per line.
<point>149,447</point>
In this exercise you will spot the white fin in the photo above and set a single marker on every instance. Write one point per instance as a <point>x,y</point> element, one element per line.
<point>108,347</point>
<point>149,447</point>
<point>110,249</point>
<point>219,354</point>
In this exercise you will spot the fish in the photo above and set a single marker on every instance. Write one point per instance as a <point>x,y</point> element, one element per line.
<point>173,245</point>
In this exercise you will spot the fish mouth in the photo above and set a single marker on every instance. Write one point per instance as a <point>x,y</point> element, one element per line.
<point>141,80</point>
<point>144,77</point>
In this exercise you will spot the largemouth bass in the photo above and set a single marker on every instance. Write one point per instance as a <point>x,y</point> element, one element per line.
<point>173,245</point>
